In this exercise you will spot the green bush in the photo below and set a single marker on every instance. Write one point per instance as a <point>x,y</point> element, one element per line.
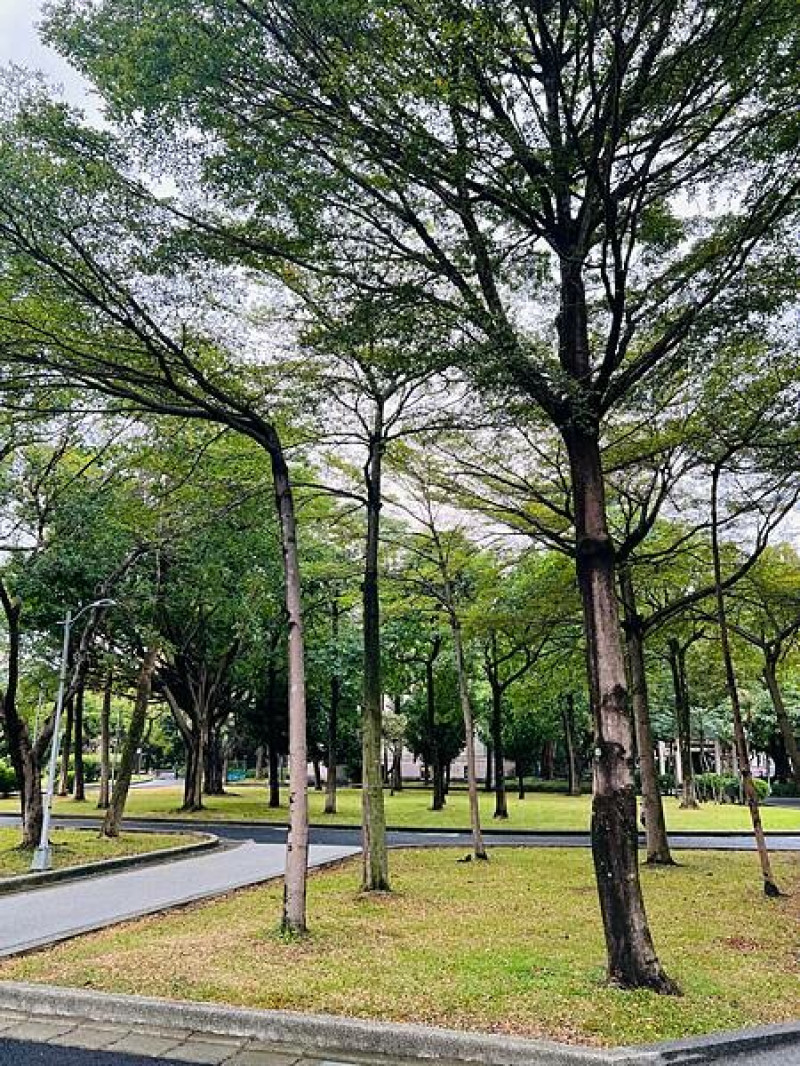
<point>8,779</point>
<point>761,786</point>
<point>666,783</point>
<point>786,789</point>
<point>726,788</point>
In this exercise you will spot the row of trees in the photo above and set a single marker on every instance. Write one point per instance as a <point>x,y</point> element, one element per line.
<point>540,253</point>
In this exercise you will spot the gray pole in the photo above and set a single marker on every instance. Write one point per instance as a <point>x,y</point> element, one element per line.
<point>41,856</point>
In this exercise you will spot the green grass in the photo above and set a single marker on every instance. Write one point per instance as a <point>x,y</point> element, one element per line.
<point>512,945</point>
<point>74,846</point>
<point>539,810</point>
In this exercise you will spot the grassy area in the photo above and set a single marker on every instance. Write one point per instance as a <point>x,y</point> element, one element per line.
<point>512,945</point>
<point>74,846</point>
<point>538,810</point>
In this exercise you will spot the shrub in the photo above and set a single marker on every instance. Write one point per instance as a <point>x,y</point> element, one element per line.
<point>8,779</point>
<point>787,789</point>
<point>761,786</point>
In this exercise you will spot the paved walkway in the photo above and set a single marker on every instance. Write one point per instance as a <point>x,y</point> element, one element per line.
<point>44,915</point>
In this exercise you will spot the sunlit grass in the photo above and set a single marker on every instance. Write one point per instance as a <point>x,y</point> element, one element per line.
<point>512,945</point>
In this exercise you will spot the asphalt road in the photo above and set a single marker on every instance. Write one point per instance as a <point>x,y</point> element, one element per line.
<point>24,1053</point>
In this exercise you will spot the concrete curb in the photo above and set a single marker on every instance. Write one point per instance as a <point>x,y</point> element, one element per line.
<point>314,1032</point>
<point>24,882</point>
<point>722,1046</point>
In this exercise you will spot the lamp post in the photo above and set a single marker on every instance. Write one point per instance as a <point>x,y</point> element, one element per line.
<point>42,855</point>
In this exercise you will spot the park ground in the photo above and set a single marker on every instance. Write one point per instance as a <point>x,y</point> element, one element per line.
<point>411,808</point>
<point>512,945</point>
<point>72,847</point>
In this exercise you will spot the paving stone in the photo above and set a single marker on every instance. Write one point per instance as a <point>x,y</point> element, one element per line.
<point>144,1043</point>
<point>10,1018</point>
<point>39,1029</point>
<point>93,1036</point>
<point>257,1054</point>
<point>206,1051</point>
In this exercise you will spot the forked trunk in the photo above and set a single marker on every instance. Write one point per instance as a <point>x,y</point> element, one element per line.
<point>144,682</point>
<point>104,796</point>
<point>784,722</point>
<point>478,847</point>
<point>375,856</point>
<point>740,739</point>
<point>632,960</point>
<point>294,893</point>
<point>658,853</point>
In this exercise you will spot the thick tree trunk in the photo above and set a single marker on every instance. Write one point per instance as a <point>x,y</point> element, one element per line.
<point>66,752</point>
<point>784,722</point>
<point>79,782</point>
<point>214,773</point>
<point>740,738</point>
<point>375,856</point>
<point>478,847</point>
<point>144,682</point>
<point>294,894</point>
<point>333,715</point>
<point>500,798</point>
<point>658,852</point>
<point>568,718</point>
<point>548,760</point>
<point>632,960</point>
<point>104,794</point>
<point>677,662</point>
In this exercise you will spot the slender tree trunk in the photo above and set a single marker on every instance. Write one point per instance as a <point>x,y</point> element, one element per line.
<point>568,718</point>
<point>740,738</point>
<point>784,722</point>
<point>520,781</point>
<point>333,715</point>
<point>478,847</point>
<point>500,799</point>
<point>144,682</point>
<point>294,894</point>
<point>677,662</point>
<point>104,797</point>
<point>397,768</point>
<point>375,856</point>
<point>658,852</point>
<point>63,781</point>
<point>632,960</point>
<point>488,777</point>
<point>436,771</point>
<point>548,759</point>
<point>79,778</point>
<point>274,763</point>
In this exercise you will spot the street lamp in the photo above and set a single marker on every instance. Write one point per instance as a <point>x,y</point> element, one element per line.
<point>41,856</point>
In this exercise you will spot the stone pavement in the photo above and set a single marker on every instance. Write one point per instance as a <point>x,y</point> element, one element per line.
<point>45,915</point>
<point>27,1038</point>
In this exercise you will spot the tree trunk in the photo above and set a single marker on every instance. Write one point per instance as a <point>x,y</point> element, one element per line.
<point>677,662</point>
<point>144,682</point>
<point>740,738</point>
<point>488,777</point>
<point>632,960</point>
<point>259,771</point>
<point>784,722</point>
<point>548,760</point>
<point>104,796</point>
<point>375,856</point>
<point>568,718</point>
<point>294,893</point>
<point>315,763</point>
<point>436,771</point>
<point>63,781</point>
<point>397,768</point>
<point>333,715</point>
<point>658,852</point>
<point>520,782</point>
<point>79,781</point>
<point>478,847</point>
<point>500,799</point>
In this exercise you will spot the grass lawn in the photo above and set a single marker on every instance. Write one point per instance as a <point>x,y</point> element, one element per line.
<point>511,945</point>
<point>539,810</point>
<point>74,846</point>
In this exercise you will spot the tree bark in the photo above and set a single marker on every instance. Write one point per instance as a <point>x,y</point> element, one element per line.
<point>333,715</point>
<point>63,780</point>
<point>568,718</point>
<point>259,770</point>
<point>658,851</point>
<point>375,856</point>
<point>740,738</point>
<point>79,782</point>
<point>436,769</point>
<point>520,782</point>
<point>104,797</point>
<point>294,894</point>
<point>144,683</point>
<point>488,779</point>
<point>548,760</point>
<point>478,847</point>
<point>677,662</point>
<point>784,722</point>
<point>500,798</point>
<point>632,960</point>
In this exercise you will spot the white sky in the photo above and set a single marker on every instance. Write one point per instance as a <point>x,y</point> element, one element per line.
<point>20,44</point>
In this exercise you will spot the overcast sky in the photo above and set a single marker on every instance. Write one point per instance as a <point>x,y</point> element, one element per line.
<point>20,44</point>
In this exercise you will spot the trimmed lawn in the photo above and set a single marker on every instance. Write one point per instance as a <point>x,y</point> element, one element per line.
<point>74,846</point>
<point>411,807</point>
<point>512,945</point>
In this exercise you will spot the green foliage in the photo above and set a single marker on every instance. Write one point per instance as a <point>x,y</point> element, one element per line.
<point>8,779</point>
